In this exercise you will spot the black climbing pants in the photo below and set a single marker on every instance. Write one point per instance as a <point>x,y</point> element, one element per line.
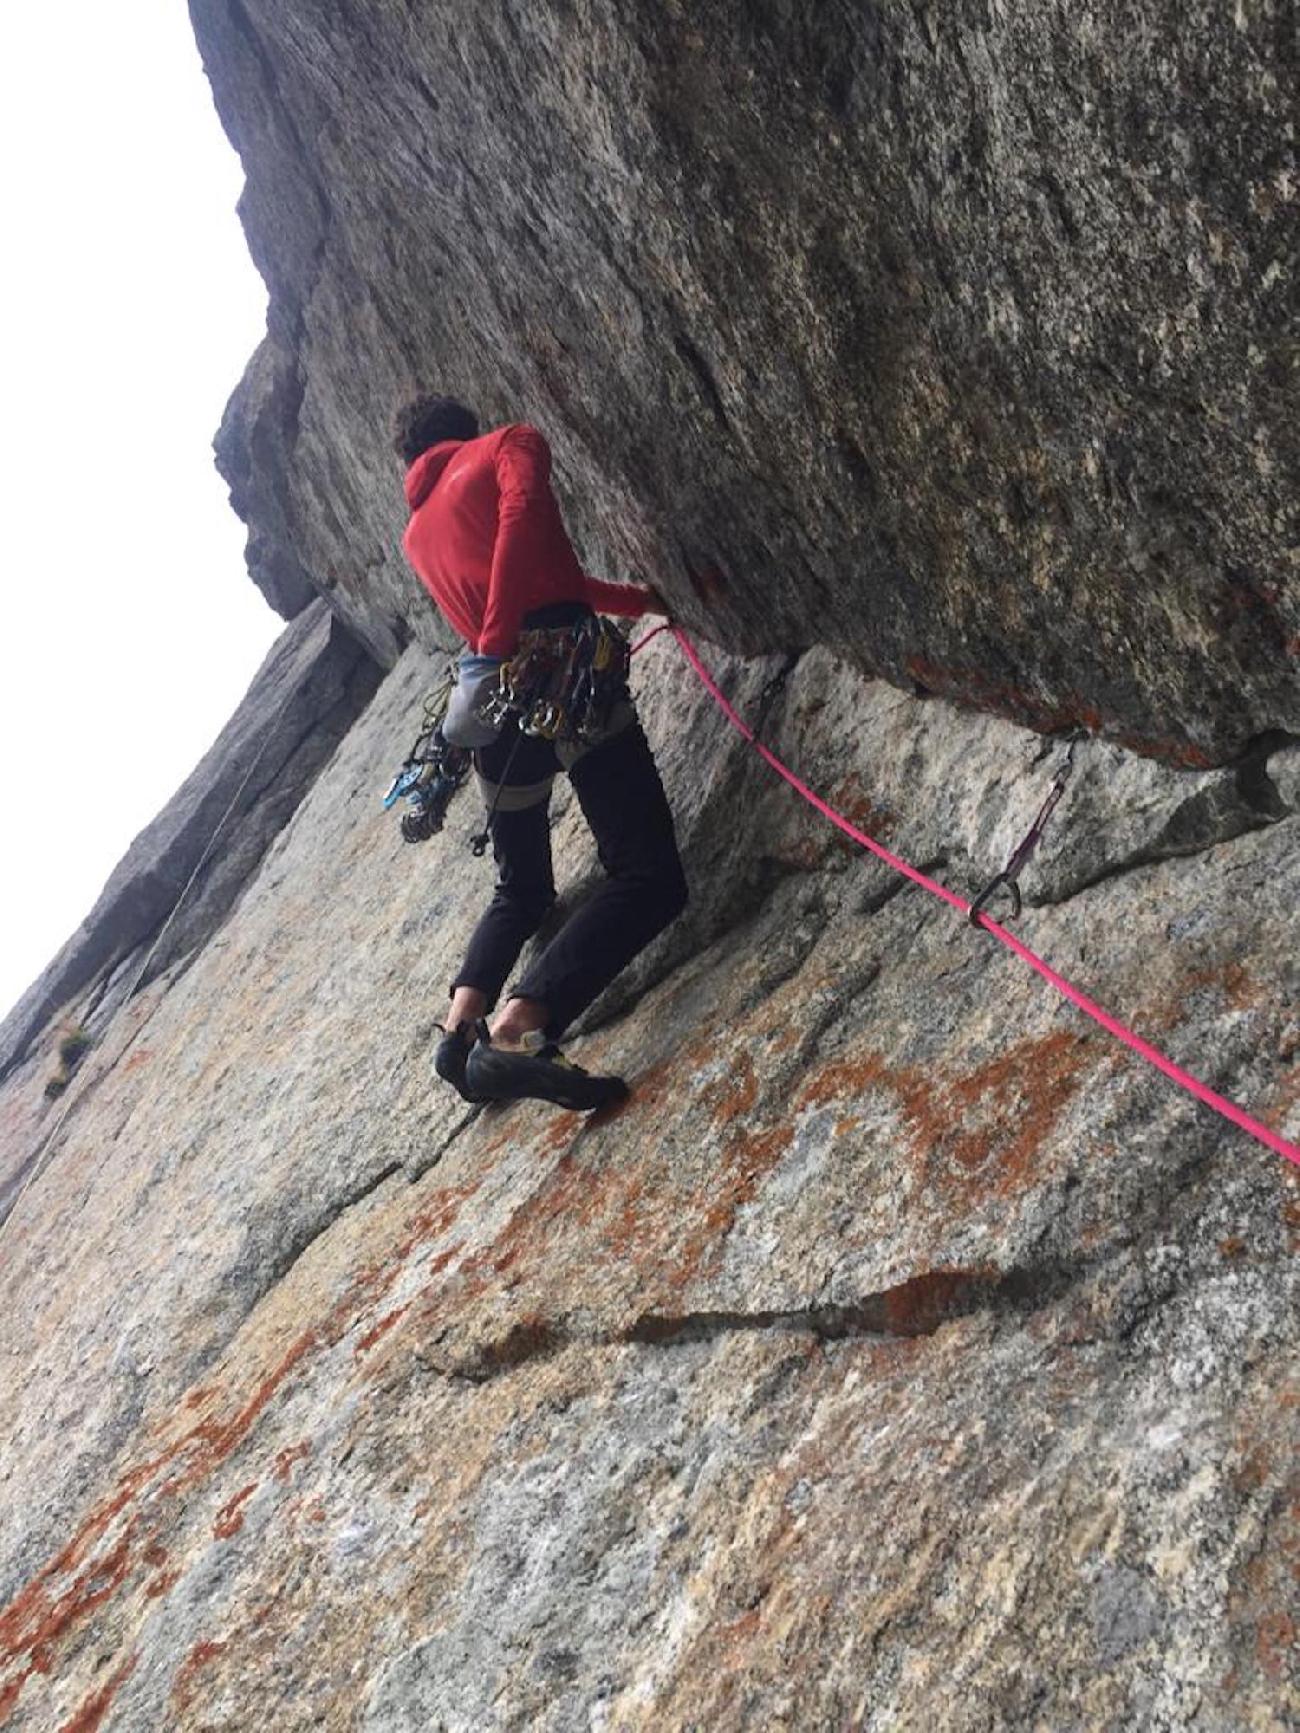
<point>623,802</point>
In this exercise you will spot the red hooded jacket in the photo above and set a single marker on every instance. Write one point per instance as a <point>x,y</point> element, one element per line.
<point>487,542</point>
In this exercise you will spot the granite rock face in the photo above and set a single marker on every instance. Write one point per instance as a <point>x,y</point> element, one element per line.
<point>309,690</point>
<point>905,1354</point>
<point>957,337</point>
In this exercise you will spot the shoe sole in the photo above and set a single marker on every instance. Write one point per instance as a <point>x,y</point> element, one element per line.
<point>455,1075</point>
<point>517,1077</point>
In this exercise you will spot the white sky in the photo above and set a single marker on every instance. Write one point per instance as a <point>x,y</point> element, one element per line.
<point>128,627</point>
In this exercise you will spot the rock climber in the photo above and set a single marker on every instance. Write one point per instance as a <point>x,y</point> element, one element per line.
<point>486,539</point>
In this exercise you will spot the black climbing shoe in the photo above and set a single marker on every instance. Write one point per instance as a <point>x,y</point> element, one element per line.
<point>449,1061</point>
<point>538,1071</point>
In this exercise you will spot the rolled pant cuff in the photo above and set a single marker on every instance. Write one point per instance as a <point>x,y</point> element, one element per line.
<point>491,994</point>
<point>561,1008</point>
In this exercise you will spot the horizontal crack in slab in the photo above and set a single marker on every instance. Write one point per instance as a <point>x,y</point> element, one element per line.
<point>917,1307</point>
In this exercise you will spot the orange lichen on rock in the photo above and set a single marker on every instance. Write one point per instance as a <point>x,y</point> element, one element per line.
<point>626,1227</point>
<point>958,1127</point>
<point>852,1079</point>
<point>974,686</point>
<point>92,1712</point>
<point>285,1459</point>
<point>185,1683</point>
<point>381,1329</point>
<point>1239,988</point>
<point>10,1693</point>
<point>850,798</point>
<point>1228,978</point>
<point>960,1146</point>
<point>1287,1093</point>
<point>1025,1092</point>
<point>663,1238</point>
<point>38,1617</point>
<point>433,1220</point>
<point>1263,1591</point>
<point>213,1441</point>
<point>653,1087</point>
<point>560,1136</point>
<point>441,1260</point>
<point>746,1162</point>
<point>731,1096</point>
<point>230,1518</point>
<point>738,1634</point>
<point>1274,1641</point>
<point>567,1191</point>
<point>40,1614</point>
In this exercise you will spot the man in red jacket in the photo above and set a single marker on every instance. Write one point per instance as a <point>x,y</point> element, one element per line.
<point>486,539</point>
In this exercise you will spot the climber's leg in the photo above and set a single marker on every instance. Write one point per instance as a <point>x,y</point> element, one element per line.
<point>623,801</point>
<point>519,826</point>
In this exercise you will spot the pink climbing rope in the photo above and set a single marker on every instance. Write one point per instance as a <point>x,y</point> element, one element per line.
<point>650,636</point>
<point>1112,1025</point>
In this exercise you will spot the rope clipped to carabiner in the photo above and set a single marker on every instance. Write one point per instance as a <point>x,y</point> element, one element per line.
<point>1008,879</point>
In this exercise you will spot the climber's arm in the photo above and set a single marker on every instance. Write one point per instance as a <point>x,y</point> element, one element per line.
<point>619,598</point>
<point>525,501</point>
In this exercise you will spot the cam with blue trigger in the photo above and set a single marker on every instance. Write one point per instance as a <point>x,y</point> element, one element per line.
<point>431,773</point>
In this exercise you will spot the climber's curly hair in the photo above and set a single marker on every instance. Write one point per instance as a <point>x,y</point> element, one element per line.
<point>425,421</point>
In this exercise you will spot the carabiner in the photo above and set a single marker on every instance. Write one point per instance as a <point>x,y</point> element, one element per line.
<point>1003,881</point>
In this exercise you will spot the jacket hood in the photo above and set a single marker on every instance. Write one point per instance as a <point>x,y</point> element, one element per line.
<point>424,473</point>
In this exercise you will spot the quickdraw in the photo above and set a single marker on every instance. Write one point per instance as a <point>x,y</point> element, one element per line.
<point>563,681</point>
<point>1008,879</point>
<point>431,773</point>
<point>1090,1008</point>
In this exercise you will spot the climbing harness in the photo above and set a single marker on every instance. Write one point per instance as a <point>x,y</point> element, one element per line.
<point>562,682</point>
<point>1202,1091</point>
<point>431,773</point>
<point>1008,878</point>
